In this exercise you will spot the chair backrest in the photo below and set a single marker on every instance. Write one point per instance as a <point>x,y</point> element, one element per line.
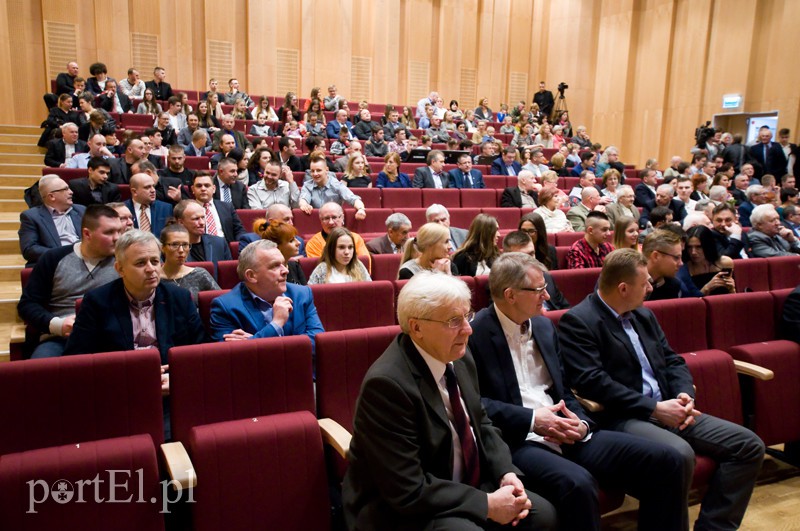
<point>481,297</point>
<point>555,316</point>
<point>784,272</point>
<point>374,222</point>
<point>227,277</point>
<point>399,198</point>
<point>265,469</point>
<point>576,284</point>
<point>208,266</point>
<point>385,266</point>
<point>216,382</point>
<point>204,299</point>
<point>730,319</point>
<point>343,358</point>
<point>250,215</point>
<point>371,197</point>
<point>683,322</point>
<point>354,304</point>
<point>72,399</point>
<point>478,198</point>
<point>561,257</point>
<point>779,297</point>
<point>450,198</point>
<point>717,384</point>
<point>507,218</point>
<point>566,239</point>
<point>751,274</point>
<point>103,463</point>
<point>25,275</point>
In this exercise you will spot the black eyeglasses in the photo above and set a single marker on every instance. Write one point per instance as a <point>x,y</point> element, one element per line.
<point>530,231</point>
<point>675,257</point>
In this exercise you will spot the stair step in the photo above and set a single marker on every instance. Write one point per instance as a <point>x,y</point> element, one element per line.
<point>8,308</point>
<point>30,149</point>
<point>7,168</point>
<point>21,158</point>
<point>13,205</point>
<point>18,180</point>
<point>30,138</point>
<point>12,192</point>
<point>20,129</point>
<point>10,273</point>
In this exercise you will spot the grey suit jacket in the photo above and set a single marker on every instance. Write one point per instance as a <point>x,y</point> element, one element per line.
<point>38,234</point>
<point>762,246</point>
<point>380,245</point>
<point>423,178</point>
<point>458,237</point>
<point>614,211</point>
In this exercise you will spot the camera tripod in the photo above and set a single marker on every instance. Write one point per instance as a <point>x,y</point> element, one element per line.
<point>559,107</point>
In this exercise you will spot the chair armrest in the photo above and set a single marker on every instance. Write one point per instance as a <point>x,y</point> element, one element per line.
<point>589,405</point>
<point>17,334</point>
<point>336,436</point>
<point>756,371</point>
<point>179,466</point>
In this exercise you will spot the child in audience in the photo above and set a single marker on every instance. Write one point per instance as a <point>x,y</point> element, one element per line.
<point>507,128</point>
<point>340,146</point>
<point>339,261</point>
<point>260,128</point>
<point>293,130</point>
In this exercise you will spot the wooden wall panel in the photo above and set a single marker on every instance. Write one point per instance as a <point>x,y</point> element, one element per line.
<point>642,73</point>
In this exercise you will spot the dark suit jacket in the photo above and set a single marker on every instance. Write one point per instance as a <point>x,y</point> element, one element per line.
<point>499,167</point>
<point>236,310</point>
<point>601,363</point>
<point>498,380</point>
<point>65,84</point>
<point>57,152</point>
<point>38,234</point>
<point>423,178</point>
<point>730,247</point>
<point>380,245</point>
<point>557,299</point>
<point>104,102</point>
<point>790,320</point>
<point>104,322</point>
<point>241,140</point>
<point>401,455</point>
<point>231,224</point>
<point>215,249</point>
<point>82,194</point>
<point>457,179</point>
<point>676,205</point>
<point>120,173</point>
<point>775,164</point>
<point>94,87</point>
<point>190,151</point>
<point>163,185</point>
<point>512,197</point>
<point>644,196</point>
<point>159,212</point>
<point>162,91</point>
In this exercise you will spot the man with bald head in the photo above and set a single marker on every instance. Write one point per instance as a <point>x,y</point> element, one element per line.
<point>334,126</point>
<point>61,150</point>
<point>590,200</point>
<point>55,223</point>
<point>97,148</point>
<point>331,216</point>
<point>149,214</point>
<point>121,167</point>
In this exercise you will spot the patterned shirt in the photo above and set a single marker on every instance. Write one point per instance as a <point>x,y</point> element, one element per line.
<point>582,256</point>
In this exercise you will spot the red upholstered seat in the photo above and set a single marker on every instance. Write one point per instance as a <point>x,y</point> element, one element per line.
<point>262,472</point>
<point>779,297</point>
<point>479,198</point>
<point>576,284</point>
<point>72,399</point>
<point>561,257</point>
<point>462,217</point>
<point>399,198</point>
<point>751,274</point>
<point>227,277</point>
<point>450,198</point>
<point>481,297</point>
<point>66,173</point>
<point>374,222</point>
<point>306,223</point>
<point>371,197</point>
<point>136,120</point>
<point>784,272</point>
<point>415,215</point>
<point>385,266</point>
<point>250,215</point>
<point>123,467</point>
<point>566,239</point>
<point>683,322</point>
<point>307,264</point>
<point>494,181</point>
<point>204,299</point>
<point>507,218</point>
<point>555,315</point>
<point>716,382</point>
<point>25,276</point>
<point>354,304</point>
<point>217,382</point>
<point>732,319</point>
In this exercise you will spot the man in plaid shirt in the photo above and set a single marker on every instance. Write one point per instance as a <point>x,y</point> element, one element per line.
<point>593,248</point>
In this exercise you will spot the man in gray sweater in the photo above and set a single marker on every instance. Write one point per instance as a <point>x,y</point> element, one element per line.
<point>64,275</point>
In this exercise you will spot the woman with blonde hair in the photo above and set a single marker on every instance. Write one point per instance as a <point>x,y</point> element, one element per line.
<point>483,112</point>
<point>340,263</point>
<point>433,243</point>
<point>611,179</point>
<point>356,174</point>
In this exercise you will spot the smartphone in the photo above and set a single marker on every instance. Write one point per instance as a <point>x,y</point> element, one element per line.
<point>727,271</point>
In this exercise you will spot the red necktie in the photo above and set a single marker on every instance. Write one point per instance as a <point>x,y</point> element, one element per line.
<point>211,225</point>
<point>469,449</point>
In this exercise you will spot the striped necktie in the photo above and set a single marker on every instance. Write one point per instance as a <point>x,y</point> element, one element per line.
<point>211,224</point>
<point>144,221</point>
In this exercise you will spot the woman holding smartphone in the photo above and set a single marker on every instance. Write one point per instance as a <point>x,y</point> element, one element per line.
<point>703,268</point>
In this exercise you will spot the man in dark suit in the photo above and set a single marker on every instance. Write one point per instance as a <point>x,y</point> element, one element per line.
<point>111,100</point>
<point>518,241</point>
<point>65,81</point>
<point>227,188</point>
<point>768,155</point>
<point>149,214</point>
<point>165,315</point>
<point>204,247</point>
<point>522,195</point>
<point>263,304</point>
<point>199,144</point>
<point>335,125</point>
<point>397,228</point>
<point>552,439</point>
<point>464,176</point>
<point>432,175</point>
<point>176,169</point>
<point>226,221</point>
<point>95,189</point>
<point>161,89</point>
<point>665,197</point>
<point>616,354</point>
<point>645,191</point>
<point>55,223</point>
<point>507,163</point>
<point>287,148</point>
<point>728,236</point>
<point>227,128</point>
<point>121,167</point>
<point>424,454</point>
<point>56,156</point>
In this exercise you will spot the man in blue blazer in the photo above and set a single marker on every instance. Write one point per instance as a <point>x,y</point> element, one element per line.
<point>464,176</point>
<point>105,320</point>
<point>143,200</point>
<point>334,126</point>
<point>38,231</point>
<point>263,304</point>
<point>552,439</point>
<point>507,164</point>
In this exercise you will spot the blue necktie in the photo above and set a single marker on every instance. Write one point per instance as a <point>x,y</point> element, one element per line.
<point>226,193</point>
<point>467,180</point>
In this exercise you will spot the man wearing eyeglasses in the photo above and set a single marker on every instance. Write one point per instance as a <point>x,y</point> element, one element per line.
<point>55,223</point>
<point>552,439</point>
<point>424,455</point>
<point>662,249</point>
<point>331,216</point>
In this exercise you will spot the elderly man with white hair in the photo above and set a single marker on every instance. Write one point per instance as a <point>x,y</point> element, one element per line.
<point>525,194</point>
<point>718,194</point>
<point>756,195</point>
<point>397,228</point>
<point>672,172</point>
<point>769,238</point>
<point>590,200</point>
<point>424,454</point>
<point>437,213</point>
<point>665,197</point>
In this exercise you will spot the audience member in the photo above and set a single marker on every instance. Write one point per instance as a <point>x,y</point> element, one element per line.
<point>432,175</point>
<point>65,80</point>
<point>55,223</point>
<point>132,86</point>
<point>175,246</point>
<point>339,262</point>
<point>121,167</point>
<point>665,194</point>
<point>591,250</point>
<point>136,311</point>
<point>624,205</point>
<point>587,180</point>
<point>704,269</point>
<point>519,241</point>
<point>393,429</point>
<point>507,163</point>
<point>586,164</point>
<point>149,214</point>
<point>479,251</point>
<point>397,228</point>
<point>465,176</point>
<point>662,249</point>
<point>756,195</point>
<point>599,338</point>
<point>335,126</point>
<point>554,218</point>
<point>590,202</point>
<point>767,156</point>
<point>205,247</point>
<point>391,177</point>
<point>768,237</point>
<point>433,243</point>
<point>111,100</point>
<point>331,216</point>
<point>61,150</point>
<point>125,216</point>
<point>162,91</point>
<point>64,275</point>
<point>275,187</point>
<point>221,217</point>
<point>356,174</point>
<point>325,188</point>
<point>611,182</point>
<point>285,237</point>
<point>646,190</point>
<point>235,94</point>
<point>437,213</point>
<point>626,233</point>
<point>524,195</point>
<point>96,148</point>
<point>95,189</point>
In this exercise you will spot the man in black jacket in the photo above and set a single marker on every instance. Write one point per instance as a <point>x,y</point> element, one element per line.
<point>520,242</point>
<point>95,189</point>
